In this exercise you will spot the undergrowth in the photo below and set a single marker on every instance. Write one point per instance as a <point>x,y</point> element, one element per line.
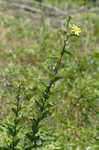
<point>49,84</point>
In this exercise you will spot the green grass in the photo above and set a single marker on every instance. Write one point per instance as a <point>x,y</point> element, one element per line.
<point>27,53</point>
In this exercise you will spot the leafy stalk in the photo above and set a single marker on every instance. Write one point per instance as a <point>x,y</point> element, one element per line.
<point>43,103</point>
<point>13,127</point>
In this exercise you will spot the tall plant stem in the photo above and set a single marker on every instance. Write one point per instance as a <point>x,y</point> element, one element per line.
<point>61,56</point>
<point>42,103</point>
<point>45,96</point>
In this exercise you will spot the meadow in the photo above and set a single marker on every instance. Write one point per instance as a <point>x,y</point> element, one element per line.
<point>49,75</point>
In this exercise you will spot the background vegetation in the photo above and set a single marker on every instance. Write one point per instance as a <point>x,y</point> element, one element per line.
<point>30,46</point>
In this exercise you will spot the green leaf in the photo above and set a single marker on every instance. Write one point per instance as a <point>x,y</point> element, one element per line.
<point>14,110</point>
<point>57,78</point>
<point>68,52</point>
<point>11,131</point>
<point>1,129</point>
<point>16,121</point>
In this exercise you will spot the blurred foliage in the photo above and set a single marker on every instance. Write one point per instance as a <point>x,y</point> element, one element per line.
<point>28,52</point>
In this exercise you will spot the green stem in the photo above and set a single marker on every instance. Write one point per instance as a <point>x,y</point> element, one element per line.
<point>46,93</point>
<point>61,56</point>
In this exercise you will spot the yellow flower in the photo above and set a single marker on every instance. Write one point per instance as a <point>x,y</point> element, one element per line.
<point>75,29</point>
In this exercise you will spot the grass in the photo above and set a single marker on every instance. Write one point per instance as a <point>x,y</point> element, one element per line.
<point>27,53</point>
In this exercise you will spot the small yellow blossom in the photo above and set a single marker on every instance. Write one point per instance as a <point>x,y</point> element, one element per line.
<point>75,29</point>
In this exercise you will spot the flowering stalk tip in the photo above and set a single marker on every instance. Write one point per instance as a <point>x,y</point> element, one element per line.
<point>75,30</point>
